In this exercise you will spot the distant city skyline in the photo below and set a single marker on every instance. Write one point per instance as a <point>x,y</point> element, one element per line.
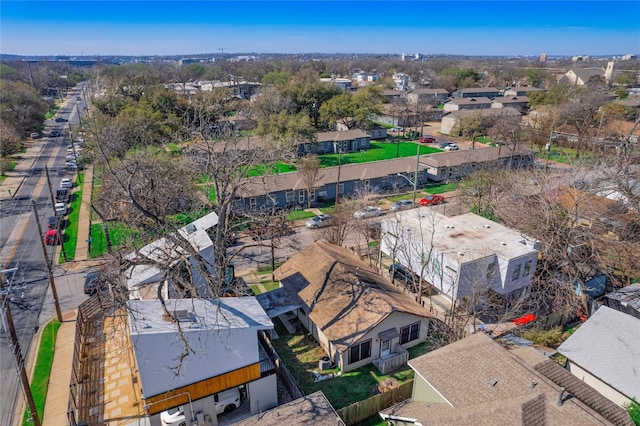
<point>145,28</point>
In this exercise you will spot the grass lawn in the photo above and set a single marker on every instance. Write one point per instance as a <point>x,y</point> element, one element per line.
<point>42,370</point>
<point>266,269</point>
<point>301,354</point>
<point>267,284</point>
<point>70,237</point>
<point>279,167</point>
<point>12,165</point>
<point>439,188</point>
<point>299,214</point>
<point>565,155</point>
<point>378,151</point>
<point>174,148</point>
<point>118,233</point>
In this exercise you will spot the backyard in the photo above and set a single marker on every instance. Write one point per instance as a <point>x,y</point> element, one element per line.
<point>301,353</point>
<point>378,151</point>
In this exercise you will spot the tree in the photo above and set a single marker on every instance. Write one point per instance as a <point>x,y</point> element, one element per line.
<point>472,126</point>
<point>353,111</point>
<point>581,113</point>
<point>9,140</point>
<point>21,106</point>
<point>309,169</point>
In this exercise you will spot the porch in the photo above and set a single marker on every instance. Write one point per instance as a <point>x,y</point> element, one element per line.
<point>393,360</point>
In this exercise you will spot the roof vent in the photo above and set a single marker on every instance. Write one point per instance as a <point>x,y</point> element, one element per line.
<point>487,226</point>
<point>183,316</point>
<point>460,253</point>
<point>493,382</point>
<point>503,243</point>
<point>190,228</point>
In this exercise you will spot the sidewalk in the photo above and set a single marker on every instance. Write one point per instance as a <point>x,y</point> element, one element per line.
<point>14,178</point>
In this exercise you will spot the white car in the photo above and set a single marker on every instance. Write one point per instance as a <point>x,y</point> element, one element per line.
<point>397,129</point>
<point>452,147</point>
<point>66,183</point>
<point>225,402</point>
<point>368,211</point>
<point>60,208</point>
<point>320,221</point>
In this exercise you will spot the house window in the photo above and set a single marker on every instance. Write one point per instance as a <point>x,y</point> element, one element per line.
<point>312,194</point>
<point>360,352</point>
<point>491,270</point>
<point>301,197</point>
<point>385,179</point>
<point>289,196</point>
<point>516,273</point>
<point>367,184</point>
<point>341,188</point>
<point>527,268</point>
<point>252,203</point>
<point>345,146</point>
<point>409,333</point>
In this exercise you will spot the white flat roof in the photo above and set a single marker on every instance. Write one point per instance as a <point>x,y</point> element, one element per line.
<point>468,235</point>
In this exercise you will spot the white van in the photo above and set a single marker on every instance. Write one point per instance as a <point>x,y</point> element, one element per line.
<point>226,401</point>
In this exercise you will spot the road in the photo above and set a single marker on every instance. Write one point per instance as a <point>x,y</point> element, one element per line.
<point>20,248</point>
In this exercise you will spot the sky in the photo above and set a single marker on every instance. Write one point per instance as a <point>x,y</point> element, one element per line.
<point>76,28</point>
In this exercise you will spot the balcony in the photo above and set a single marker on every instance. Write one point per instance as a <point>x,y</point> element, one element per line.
<point>393,360</point>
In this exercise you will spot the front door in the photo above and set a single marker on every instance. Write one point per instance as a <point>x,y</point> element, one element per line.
<point>385,347</point>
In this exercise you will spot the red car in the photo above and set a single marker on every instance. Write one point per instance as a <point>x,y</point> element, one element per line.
<point>52,238</point>
<point>432,200</point>
<point>427,139</point>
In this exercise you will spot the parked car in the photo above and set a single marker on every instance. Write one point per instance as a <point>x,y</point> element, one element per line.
<point>60,209</point>
<point>402,274</point>
<point>397,129</point>
<point>52,238</point>
<point>401,205</point>
<point>62,195</point>
<point>92,283</point>
<point>35,135</point>
<point>427,139</point>
<point>71,166</point>
<point>320,221</point>
<point>368,211</point>
<point>225,402</point>
<point>60,120</point>
<point>53,222</point>
<point>431,200</point>
<point>66,183</point>
<point>444,144</point>
<point>54,133</point>
<point>451,147</point>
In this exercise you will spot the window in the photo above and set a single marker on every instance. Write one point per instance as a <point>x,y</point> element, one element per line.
<point>360,352</point>
<point>312,194</point>
<point>409,333</point>
<point>385,179</point>
<point>341,188</point>
<point>289,196</point>
<point>367,184</point>
<point>527,268</point>
<point>252,203</point>
<point>516,273</point>
<point>301,197</point>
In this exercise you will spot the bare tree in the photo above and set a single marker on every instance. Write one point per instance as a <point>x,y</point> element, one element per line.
<point>309,169</point>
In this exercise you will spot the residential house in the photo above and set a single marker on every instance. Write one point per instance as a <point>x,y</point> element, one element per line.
<point>475,381</point>
<point>338,141</point>
<point>450,119</point>
<point>457,104</point>
<point>519,103</point>
<point>357,316</point>
<point>477,92</point>
<point>288,190</point>
<point>313,409</point>
<point>581,76</point>
<point>392,95</point>
<point>625,299</point>
<point>134,361</point>
<point>364,78</point>
<point>342,83</point>
<point>401,80</point>
<point>604,353</point>
<point>149,262</point>
<point>522,91</point>
<point>455,165</point>
<point>432,97</point>
<point>463,256</point>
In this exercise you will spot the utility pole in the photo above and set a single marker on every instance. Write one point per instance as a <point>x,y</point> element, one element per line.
<point>338,181</point>
<point>415,175</point>
<point>17,355</point>
<point>548,149</point>
<point>52,283</point>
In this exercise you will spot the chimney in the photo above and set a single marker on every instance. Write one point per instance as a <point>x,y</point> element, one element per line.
<point>560,399</point>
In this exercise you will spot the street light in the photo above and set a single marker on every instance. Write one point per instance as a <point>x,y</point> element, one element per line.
<point>414,182</point>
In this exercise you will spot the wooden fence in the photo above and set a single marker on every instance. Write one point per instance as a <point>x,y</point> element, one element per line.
<point>358,411</point>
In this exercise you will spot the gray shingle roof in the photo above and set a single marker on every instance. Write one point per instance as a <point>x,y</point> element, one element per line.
<point>312,409</point>
<point>608,346</point>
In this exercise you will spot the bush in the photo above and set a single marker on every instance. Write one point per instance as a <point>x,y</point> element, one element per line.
<point>550,338</point>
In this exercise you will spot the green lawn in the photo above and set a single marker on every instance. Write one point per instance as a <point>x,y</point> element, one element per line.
<point>301,354</point>
<point>299,214</point>
<point>279,167</point>
<point>70,237</point>
<point>42,370</point>
<point>118,234</point>
<point>267,284</point>
<point>565,155</point>
<point>439,188</point>
<point>378,151</point>
<point>174,148</point>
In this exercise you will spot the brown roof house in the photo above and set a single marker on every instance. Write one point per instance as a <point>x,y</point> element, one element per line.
<point>356,315</point>
<point>475,381</point>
